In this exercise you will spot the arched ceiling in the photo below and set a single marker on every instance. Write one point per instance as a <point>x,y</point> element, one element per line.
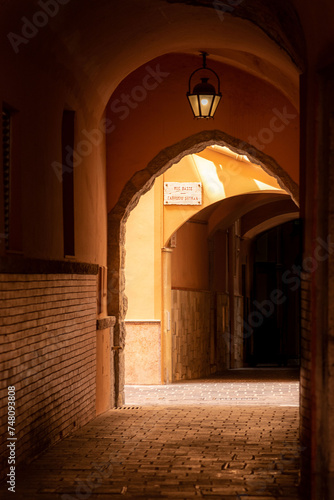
<point>254,209</point>
<point>224,175</point>
<point>97,44</point>
<point>271,222</point>
<point>140,37</point>
<point>277,18</point>
<point>265,217</point>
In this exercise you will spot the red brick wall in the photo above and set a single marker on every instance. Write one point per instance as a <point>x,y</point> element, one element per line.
<point>48,331</point>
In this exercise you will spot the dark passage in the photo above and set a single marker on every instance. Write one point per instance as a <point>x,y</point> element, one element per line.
<point>275,301</point>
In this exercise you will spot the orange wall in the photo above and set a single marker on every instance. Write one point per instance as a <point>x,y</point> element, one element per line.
<point>163,117</point>
<point>190,258</point>
<point>39,93</point>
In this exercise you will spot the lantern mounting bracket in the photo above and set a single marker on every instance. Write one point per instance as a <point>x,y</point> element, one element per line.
<point>204,54</point>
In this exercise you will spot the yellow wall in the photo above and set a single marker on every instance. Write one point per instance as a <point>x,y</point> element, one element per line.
<point>139,271</point>
<point>143,261</point>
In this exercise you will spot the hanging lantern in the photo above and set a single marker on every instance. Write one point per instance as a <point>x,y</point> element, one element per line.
<point>204,99</point>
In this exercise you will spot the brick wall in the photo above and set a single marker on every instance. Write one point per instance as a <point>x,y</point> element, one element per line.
<point>305,374</point>
<point>48,334</point>
<point>191,334</point>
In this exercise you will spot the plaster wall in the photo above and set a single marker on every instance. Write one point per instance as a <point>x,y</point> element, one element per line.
<point>37,106</point>
<point>190,258</point>
<point>140,260</point>
<point>143,352</point>
<point>143,289</point>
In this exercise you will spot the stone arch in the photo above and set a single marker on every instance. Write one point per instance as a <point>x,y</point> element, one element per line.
<point>140,183</point>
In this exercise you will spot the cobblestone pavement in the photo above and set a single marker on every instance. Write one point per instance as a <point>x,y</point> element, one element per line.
<point>183,451</point>
<point>265,386</point>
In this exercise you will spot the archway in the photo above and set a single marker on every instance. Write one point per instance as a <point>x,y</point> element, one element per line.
<point>138,185</point>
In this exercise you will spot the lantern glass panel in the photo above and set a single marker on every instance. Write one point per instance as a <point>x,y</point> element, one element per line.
<point>205,104</point>
<point>215,104</point>
<point>193,100</point>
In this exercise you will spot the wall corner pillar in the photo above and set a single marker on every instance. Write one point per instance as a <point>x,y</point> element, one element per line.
<point>166,330</point>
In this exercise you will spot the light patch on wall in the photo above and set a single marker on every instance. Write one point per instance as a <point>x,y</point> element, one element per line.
<point>264,187</point>
<point>208,173</point>
<point>226,151</point>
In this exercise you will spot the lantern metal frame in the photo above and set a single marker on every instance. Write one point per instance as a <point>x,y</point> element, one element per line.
<point>217,95</point>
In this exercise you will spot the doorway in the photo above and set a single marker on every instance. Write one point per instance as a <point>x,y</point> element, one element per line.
<point>275,298</point>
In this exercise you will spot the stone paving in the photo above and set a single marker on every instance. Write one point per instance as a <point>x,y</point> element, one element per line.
<point>177,450</point>
<point>265,386</point>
